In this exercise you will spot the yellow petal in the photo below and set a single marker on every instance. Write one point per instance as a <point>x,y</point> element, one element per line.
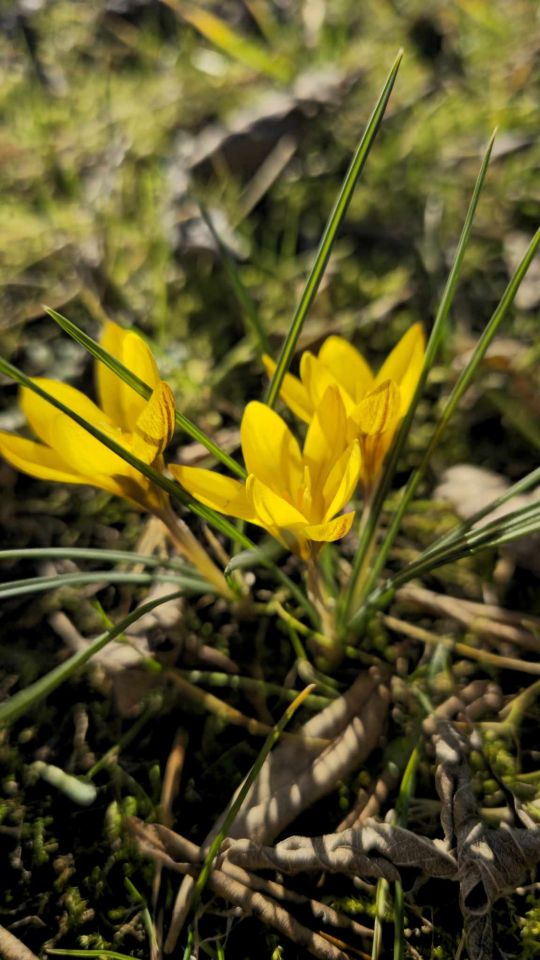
<point>292,392</point>
<point>333,530</point>
<point>317,378</point>
<point>270,451</point>
<point>326,436</point>
<point>214,490</point>
<point>342,481</point>
<point>36,459</point>
<point>89,457</point>
<point>43,417</point>
<point>379,410</point>
<point>404,364</point>
<point>107,382</point>
<point>155,426</point>
<point>123,404</point>
<point>138,358</point>
<point>271,509</point>
<point>374,450</point>
<point>348,366</point>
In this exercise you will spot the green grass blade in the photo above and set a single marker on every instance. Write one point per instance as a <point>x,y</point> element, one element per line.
<point>24,700</point>
<point>250,314</point>
<point>459,389</point>
<point>16,588</point>
<point>234,807</point>
<point>237,46</point>
<point>142,388</point>
<point>512,526</point>
<point>526,483</point>
<point>252,557</point>
<point>99,954</point>
<point>95,553</point>
<point>330,233</point>
<point>173,489</point>
<point>431,351</point>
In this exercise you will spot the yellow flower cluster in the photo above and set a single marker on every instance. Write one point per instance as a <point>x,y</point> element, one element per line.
<point>296,494</point>
<point>352,417</point>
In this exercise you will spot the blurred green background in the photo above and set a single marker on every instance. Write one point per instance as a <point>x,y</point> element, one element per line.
<point>117,117</point>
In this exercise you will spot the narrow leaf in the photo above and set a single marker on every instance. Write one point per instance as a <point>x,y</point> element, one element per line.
<point>459,389</point>
<point>439,325</point>
<point>24,700</point>
<point>330,232</point>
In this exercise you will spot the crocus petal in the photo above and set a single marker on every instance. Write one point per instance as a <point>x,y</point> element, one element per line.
<point>348,366</point>
<point>88,456</point>
<point>342,481</point>
<point>326,436</point>
<point>214,490</point>
<point>379,410</point>
<point>332,530</point>
<point>138,358</point>
<point>123,404</point>
<point>155,426</point>
<point>36,459</point>
<point>317,378</point>
<point>271,509</point>
<point>43,417</point>
<point>107,382</point>
<point>292,392</point>
<point>270,451</point>
<point>404,364</point>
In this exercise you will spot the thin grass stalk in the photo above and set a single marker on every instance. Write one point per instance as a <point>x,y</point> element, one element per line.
<point>24,700</point>
<point>512,526</point>
<point>100,954</point>
<point>250,314</point>
<point>352,598</point>
<point>507,529</point>
<point>16,588</point>
<point>522,486</point>
<point>459,389</point>
<point>142,388</point>
<point>95,553</point>
<point>330,232</point>
<point>234,808</point>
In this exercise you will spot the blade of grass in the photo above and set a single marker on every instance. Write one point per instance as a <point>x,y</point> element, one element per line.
<point>234,807</point>
<point>100,954</point>
<point>24,700</point>
<point>95,553</point>
<point>250,314</point>
<point>522,486</point>
<point>16,588</point>
<point>143,389</point>
<point>463,382</point>
<point>372,519</point>
<point>330,232</point>
<point>234,44</point>
<point>513,526</point>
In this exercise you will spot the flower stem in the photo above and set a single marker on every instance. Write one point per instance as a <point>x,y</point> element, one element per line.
<point>327,641</point>
<point>188,546</point>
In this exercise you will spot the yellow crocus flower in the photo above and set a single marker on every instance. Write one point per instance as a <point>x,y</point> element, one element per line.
<point>373,404</point>
<point>66,452</point>
<point>293,494</point>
